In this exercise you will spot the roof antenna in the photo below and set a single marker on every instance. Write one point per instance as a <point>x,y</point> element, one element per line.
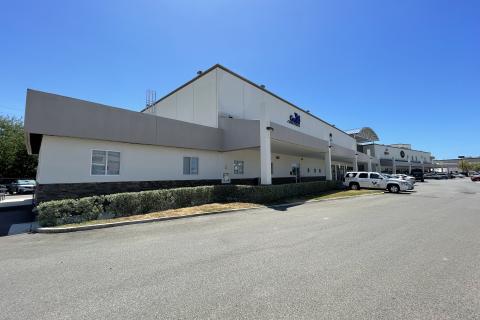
<point>199,72</point>
<point>150,98</point>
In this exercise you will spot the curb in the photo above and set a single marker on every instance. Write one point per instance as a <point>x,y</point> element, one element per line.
<point>125,223</point>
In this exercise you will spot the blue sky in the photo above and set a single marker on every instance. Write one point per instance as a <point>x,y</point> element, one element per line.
<point>409,69</point>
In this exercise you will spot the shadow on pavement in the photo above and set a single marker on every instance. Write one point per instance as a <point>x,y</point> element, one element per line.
<point>16,215</point>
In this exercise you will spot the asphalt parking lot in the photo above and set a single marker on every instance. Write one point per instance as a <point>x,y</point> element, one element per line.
<point>392,256</point>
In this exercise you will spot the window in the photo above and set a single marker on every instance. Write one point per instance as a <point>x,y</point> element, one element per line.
<point>314,170</point>
<point>105,163</point>
<point>271,168</point>
<point>308,170</point>
<point>238,166</point>
<point>374,176</point>
<point>190,165</point>
<point>351,175</point>
<point>363,175</point>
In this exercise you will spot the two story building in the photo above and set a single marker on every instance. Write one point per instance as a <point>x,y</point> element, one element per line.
<point>398,158</point>
<point>217,128</point>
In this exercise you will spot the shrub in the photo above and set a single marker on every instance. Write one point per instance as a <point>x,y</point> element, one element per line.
<point>57,212</point>
<point>131,203</point>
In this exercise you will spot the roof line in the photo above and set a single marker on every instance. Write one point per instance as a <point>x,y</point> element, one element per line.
<point>390,146</point>
<point>249,82</point>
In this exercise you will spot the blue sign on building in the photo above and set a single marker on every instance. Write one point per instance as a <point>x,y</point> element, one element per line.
<point>295,119</point>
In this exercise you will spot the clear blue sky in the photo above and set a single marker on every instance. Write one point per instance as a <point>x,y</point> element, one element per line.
<point>410,69</point>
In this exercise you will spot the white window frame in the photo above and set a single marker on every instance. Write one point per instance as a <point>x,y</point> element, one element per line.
<point>243,167</point>
<point>106,163</point>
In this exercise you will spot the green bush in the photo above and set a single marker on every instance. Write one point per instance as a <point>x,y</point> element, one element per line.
<point>57,212</point>
<point>131,203</point>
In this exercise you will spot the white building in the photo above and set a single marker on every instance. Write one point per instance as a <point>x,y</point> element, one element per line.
<point>399,158</point>
<point>217,127</point>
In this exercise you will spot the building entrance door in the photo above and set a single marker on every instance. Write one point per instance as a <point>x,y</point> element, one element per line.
<point>296,172</point>
<point>341,172</point>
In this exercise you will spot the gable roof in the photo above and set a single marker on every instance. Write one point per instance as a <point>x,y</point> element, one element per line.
<point>249,82</point>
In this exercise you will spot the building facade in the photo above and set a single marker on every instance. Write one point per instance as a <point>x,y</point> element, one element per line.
<point>217,128</point>
<point>454,165</point>
<point>399,158</point>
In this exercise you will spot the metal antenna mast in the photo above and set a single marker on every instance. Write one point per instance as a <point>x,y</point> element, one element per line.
<point>150,97</point>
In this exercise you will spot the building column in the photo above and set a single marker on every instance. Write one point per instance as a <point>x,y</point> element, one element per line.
<point>423,167</point>
<point>265,149</point>
<point>369,161</point>
<point>394,166</point>
<point>355,163</point>
<point>328,164</point>
<point>409,167</point>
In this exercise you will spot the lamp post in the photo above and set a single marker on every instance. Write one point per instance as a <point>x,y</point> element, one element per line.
<point>328,163</point>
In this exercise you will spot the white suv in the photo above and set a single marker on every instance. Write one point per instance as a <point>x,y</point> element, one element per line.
<point>375,180</point>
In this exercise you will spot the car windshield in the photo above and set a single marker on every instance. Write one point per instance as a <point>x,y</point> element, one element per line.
<point>26,181</point>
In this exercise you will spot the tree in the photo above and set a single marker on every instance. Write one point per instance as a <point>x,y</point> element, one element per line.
<point>464,165</point>
<point>476,166</point>
<point>15,162</point>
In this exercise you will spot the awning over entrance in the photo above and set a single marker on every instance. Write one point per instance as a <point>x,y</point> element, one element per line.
<point>283,147</point>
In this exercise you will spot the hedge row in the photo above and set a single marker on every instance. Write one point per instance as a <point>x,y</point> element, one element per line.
<point>60,212</point>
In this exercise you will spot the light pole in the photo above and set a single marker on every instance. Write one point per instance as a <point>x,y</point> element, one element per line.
<point>329,158</point>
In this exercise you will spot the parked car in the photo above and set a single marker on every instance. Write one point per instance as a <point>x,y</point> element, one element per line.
<point>459,175</point>
<point>375,180</point>
<point>404,177</point>
<point>475,177</point>
<point>418,174</point>
<point>22,186</point>
<point>442,175</point>
<point>436,175</point>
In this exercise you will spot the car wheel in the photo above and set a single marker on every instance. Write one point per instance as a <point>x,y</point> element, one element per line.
<point>354,186</point>
<point>393,188</point>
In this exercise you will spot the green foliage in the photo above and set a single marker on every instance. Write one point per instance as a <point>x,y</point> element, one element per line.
<point>466,166</point>
<point>132,203</point>
<point>476,166</point>
<point>58,212</point>
<point>14,159</point>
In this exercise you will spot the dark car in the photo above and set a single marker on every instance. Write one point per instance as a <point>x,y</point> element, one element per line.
<point>417,174</point>
<point>22,186</point>
<point>475,177</point>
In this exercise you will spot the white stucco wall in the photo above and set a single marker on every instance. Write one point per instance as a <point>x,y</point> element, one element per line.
<point>68,160</point>
<point>395,152</point>
<point>195,103</point>
<point>251,159</point>
<point>283,165</point>
<point>239,99</point>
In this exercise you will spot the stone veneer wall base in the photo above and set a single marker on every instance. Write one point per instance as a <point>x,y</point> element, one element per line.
<point>57,191</point>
